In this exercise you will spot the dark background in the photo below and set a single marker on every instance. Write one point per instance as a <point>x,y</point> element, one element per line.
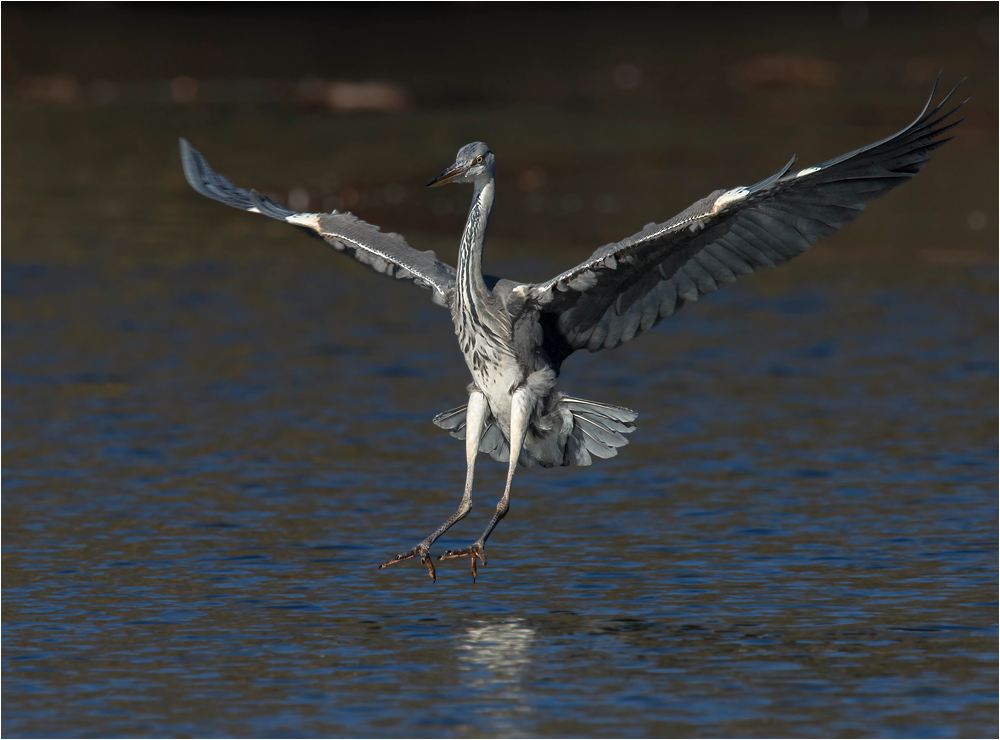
<point>653,104</point>
<point>214,428</point>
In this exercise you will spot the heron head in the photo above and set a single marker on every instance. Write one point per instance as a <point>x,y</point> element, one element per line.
<point>473,162</point>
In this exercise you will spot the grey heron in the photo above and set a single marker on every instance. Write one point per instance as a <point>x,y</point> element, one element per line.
<point>515,336</point>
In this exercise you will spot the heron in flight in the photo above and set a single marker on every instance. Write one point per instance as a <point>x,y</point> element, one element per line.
<point>515,336</point>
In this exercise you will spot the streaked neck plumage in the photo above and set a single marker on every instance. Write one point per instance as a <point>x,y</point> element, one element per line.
<point>470,254</point>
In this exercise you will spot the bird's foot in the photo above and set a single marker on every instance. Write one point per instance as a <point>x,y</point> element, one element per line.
<point>475,550</point>
<point>421,550</point>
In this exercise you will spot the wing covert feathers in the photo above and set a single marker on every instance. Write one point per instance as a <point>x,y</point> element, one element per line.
<point>386,253</point>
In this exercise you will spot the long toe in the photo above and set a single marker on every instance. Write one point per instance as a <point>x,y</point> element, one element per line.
<point>473,551</point>
<point>425,558</point>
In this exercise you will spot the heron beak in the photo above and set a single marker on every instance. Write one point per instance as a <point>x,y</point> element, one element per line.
<point>449,174</point>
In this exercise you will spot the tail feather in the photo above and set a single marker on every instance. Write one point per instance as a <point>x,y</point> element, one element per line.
<point>492,442</point>
<point>605,421</point>
<point>613,412</point>
<point>598,431</point>
<point>453,420</point>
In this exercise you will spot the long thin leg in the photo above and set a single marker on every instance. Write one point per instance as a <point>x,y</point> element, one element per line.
<point>520,415</point>
<point>475,419</point>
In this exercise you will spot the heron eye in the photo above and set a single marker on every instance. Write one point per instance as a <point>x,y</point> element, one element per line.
<point>479,159</point>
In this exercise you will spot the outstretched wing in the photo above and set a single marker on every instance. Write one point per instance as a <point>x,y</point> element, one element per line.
<point>385,253</point>
<point>627,287</point>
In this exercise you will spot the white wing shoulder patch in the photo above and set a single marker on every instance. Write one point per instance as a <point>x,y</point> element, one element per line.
<point>309,220</point>
<point>730,196</point>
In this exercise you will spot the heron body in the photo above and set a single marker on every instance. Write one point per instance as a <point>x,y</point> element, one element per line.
<point>515,336</point>
<point>503,344</point>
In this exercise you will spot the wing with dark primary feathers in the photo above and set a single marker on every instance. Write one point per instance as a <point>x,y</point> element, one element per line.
<point>628,287</point>
<point>385,253</point>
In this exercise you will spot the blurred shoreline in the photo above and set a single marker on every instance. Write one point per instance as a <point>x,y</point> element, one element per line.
<point>602,121</point>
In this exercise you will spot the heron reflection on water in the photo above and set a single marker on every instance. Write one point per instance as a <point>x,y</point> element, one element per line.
<point>515,336</point>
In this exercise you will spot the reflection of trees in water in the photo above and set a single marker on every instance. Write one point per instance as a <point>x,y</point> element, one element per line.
<point>494,659</point>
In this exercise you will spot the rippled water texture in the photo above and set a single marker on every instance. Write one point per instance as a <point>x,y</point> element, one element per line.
<point>214,430</point>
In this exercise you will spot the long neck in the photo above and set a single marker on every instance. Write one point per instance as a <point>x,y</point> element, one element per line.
<point>470,254</point>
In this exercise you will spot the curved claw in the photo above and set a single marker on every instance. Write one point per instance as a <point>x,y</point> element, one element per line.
<point>424,558</point>
<point>475,550</point>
